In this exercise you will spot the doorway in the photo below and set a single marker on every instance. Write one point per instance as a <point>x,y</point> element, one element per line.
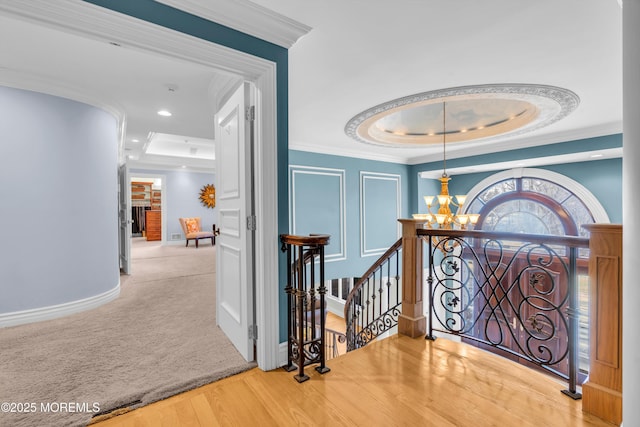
<point>148,206</point>
<point>143,36</point>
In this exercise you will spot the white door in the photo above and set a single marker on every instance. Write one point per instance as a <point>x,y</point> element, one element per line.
<point>234,281</point>
<point>124,216</point>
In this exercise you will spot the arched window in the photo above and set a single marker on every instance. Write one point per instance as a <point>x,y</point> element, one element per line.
<point>534,201</point>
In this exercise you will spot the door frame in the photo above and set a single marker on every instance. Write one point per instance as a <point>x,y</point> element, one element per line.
<point>124,217</point>
<point>95,22</point>
<point>163,201</point>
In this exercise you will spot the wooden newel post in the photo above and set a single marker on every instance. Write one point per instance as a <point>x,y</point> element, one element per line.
<point>602,393</point>
<point>412,321</point>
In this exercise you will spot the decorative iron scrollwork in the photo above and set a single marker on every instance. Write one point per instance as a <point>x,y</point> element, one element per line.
<point>483,292</point>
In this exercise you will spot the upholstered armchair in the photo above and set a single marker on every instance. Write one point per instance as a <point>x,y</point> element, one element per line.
<point>193,231</point>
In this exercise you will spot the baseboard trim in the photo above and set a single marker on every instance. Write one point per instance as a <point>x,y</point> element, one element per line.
<point>283,356</point>
<point>55,311</point>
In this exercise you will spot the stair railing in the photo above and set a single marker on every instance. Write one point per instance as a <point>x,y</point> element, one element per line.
<point>373,305</point>
<point>306,306</point>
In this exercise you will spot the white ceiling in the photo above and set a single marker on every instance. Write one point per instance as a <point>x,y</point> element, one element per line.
<point>356,54</point>
<point>363,53</point>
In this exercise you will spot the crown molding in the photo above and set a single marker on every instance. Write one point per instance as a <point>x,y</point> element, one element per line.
<point>91,21</point>
<point>247,17</point>
<point>463,150</point>
<point>585,156</point>
<point>359,154</point>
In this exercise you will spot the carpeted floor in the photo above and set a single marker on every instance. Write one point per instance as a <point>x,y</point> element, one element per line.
<point>157,339</point>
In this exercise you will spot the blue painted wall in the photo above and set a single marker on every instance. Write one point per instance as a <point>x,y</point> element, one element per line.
<point>368,192</point>
<point>603,178</point>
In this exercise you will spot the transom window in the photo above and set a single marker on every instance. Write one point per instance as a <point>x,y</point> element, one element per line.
<point>531,205</point>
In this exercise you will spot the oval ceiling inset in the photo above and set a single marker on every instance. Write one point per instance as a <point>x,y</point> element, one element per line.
<point>472,112</point>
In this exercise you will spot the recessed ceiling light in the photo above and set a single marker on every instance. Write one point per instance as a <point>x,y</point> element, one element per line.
<point>164,113</point>
<point>135,140</point>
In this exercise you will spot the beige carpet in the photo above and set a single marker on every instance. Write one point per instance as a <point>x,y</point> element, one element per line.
<point>157,339</point>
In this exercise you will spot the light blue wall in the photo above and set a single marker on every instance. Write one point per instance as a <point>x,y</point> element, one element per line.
<point>58,201</point>
<point>182,191</point>
<point>354,200</point>
<point>603,178</point>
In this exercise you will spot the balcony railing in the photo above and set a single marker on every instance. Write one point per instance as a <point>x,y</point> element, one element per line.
<point>514,293</point>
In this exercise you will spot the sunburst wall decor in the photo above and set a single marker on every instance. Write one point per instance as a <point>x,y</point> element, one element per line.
<point>208,196</point>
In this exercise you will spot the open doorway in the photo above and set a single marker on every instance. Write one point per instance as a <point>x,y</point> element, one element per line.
<point>147,217</point>
<point>136,38</point>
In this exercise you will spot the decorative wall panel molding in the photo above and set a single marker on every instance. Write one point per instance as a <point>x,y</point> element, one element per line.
<point>380,208</point>
<point>318,206</point>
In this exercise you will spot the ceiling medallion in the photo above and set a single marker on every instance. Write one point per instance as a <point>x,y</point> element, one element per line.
<point>473,112</point>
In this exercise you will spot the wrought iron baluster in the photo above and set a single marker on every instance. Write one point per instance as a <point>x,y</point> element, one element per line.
<point>302,321</point>
<point>368,301</point>
<point>312,294</point>
<point>374,317</point>
<point>573,311</point>
<point>290,308</point>
<point>322,291</point>
<point>430,335</point>
<point>380,291</point>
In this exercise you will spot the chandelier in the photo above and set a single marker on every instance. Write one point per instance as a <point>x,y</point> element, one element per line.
<point>444,218</point>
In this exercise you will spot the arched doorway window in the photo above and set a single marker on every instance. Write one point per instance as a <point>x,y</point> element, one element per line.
<point>534,201</point>
<point>537,201</point>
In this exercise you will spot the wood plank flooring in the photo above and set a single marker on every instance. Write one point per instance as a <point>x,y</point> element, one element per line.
<point>398,381</point>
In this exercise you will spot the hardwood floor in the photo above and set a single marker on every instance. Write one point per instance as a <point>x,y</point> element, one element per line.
<point>398,381</point>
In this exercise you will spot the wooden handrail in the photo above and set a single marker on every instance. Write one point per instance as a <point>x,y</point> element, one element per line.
<point>574,241</point>
<point>310,240</point>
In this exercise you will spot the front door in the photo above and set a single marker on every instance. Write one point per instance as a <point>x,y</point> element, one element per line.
<point>234,282</point>
<point>522,307</point>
